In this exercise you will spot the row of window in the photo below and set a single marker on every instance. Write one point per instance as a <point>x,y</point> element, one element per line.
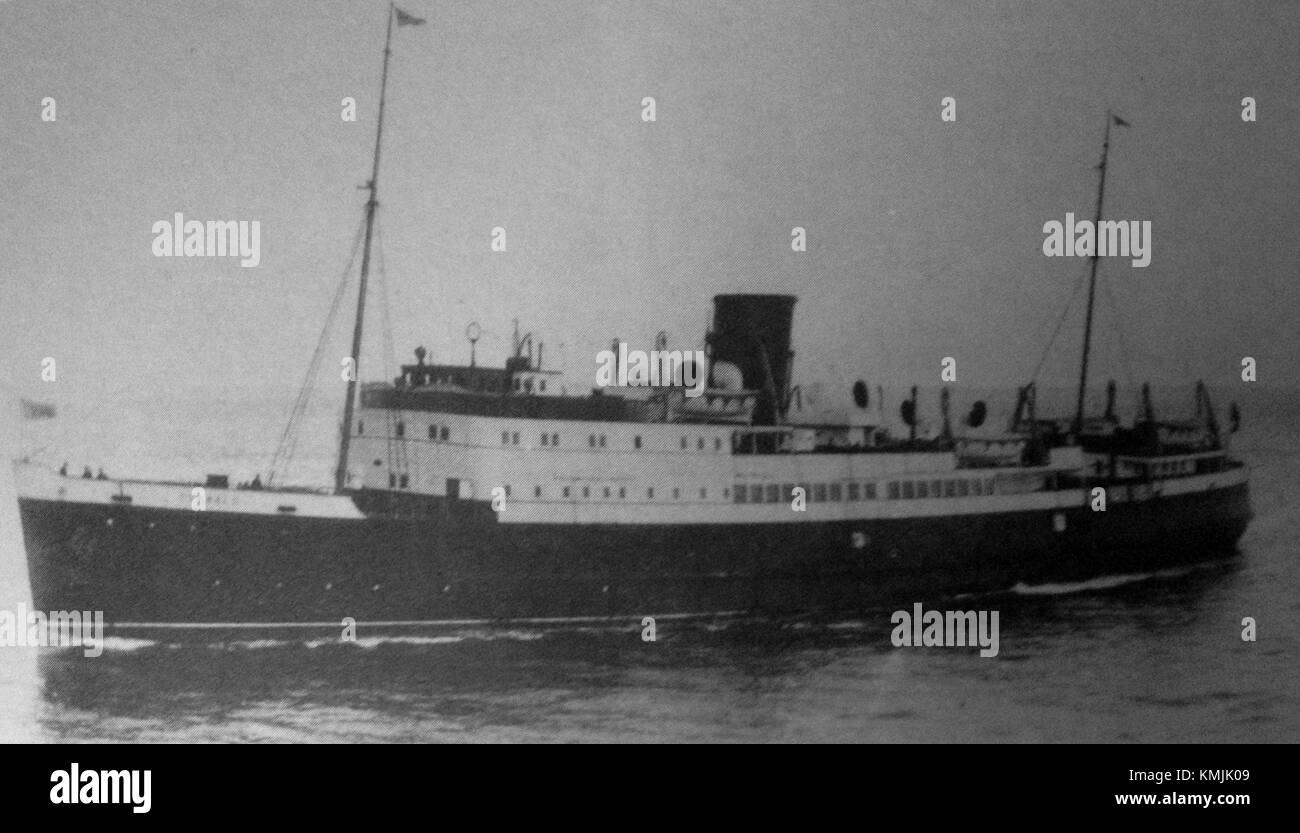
<point>479,381</point>
<point>442,433</point>
<point>894,490</point>
<point>526,385</point>
<point>609,492</point>
<point>598,440</point>
<point>779,493</point>
<point>512,438</point>
<point>437,433</point>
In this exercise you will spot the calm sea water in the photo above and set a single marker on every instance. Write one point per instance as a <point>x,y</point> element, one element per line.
<point>1125,658</point>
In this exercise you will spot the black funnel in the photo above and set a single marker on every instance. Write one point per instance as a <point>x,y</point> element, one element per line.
<point>753,333</point>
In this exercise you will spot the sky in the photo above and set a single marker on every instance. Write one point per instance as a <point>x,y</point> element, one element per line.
<point>924,237</point>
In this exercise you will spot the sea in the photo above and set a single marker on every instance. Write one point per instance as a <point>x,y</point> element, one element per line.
<point>1148,657</point>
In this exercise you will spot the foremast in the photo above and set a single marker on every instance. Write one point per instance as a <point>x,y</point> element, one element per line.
<point>372,203</point>
<point>1092,279</point>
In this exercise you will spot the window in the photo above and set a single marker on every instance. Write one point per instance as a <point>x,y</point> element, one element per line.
<point>677,493</point>
<point>361,427</point>
<point>379,462</point>
<point>638,442</point>
<point>392,480</point>
<point>988,486</point>
<point>936,488</point>
<point>836,492</point>
<point>401,429</point>
<point>717,443</point>
<point>545,438</point>
<point>650,493</point>
<point>950,488</point>
<point>807,491</point>
<point>505,436</point>
<point>854,491</point>
<point>606,491</point>
<point>819,493</point>
<point>445,433</point>
<point>514,438</point>
<point>922,489</point>
<point>963,488</point>
<point>741,493</point>
<point>773,493</point>
<point>787,491</point>
<point>537,491</point>
<point>591,440</point>
<point>555,439</point>
<point>893,490</point>
<point>622,491</point>
<point>704,494</point>
<point>756,493</point>
<point>977,487</point>
<point>566,491</point>
<point>683,443</point>
<point>602,440</point>
<point>586,491</point>
<point>405,479</point>
<point>541,385</point>
<point>699,444</point>
<point>870,490</point>
<point>909,490</point>
<point>507,490</point>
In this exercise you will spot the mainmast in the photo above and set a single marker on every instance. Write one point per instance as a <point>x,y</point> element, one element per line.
<point>1092,280</point>
<point>341,473</point>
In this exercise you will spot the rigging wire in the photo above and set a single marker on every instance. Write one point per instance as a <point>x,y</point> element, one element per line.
<point>397,458</point>
<point>288,443</point>
<point>1125,354</point>
<point>1033,377</point>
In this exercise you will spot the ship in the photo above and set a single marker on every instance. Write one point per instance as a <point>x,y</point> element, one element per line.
<point>477,494</point>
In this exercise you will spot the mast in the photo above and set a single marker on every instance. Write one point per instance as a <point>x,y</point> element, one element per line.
<point>1092,280</point>
<point>341,473</point>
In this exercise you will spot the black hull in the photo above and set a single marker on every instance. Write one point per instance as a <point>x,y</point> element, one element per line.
<point>453,562</point>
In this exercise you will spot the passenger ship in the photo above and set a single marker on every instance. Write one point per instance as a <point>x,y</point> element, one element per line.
<point>466,493</point>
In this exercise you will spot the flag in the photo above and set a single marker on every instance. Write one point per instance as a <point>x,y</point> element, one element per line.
<point>404,19</point>
<point>1118,121</point>
<point>36,410</point>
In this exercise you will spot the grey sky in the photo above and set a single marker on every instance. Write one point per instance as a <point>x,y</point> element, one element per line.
<point>924,237</point>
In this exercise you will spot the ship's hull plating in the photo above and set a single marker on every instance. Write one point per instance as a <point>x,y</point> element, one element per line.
<point>456,562</point>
